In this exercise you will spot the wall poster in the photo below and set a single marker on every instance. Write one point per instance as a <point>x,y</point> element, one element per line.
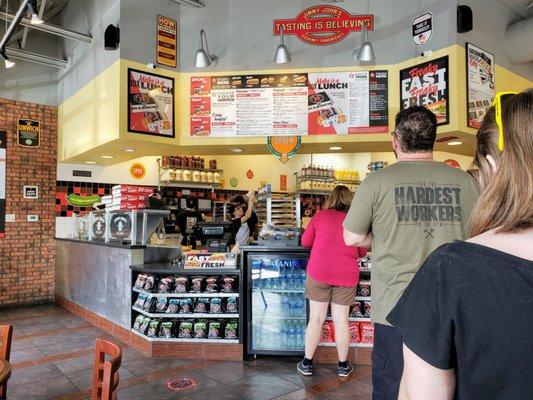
<point>422,27</point>
<point>3,147</point>
<point>28,132</point>
<point>167,34</point>
<point>426,85</point>
<point>480,67</point>
<point>150,104</point>
<point>289,104</point>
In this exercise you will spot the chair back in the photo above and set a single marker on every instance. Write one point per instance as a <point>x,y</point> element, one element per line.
<point>105,372</point>
<point>6,334</point>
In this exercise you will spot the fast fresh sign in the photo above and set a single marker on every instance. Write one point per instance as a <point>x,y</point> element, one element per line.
<point>323,25</point>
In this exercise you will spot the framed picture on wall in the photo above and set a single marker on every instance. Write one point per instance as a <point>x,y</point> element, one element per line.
<point>480,72</point>
<point>150,104</point>
<point>426,85</point>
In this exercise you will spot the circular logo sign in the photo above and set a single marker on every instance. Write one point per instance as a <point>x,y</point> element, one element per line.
<point>137,170</point>
<point>233,182</point>
<point>249,174</point>
<point>323,25</point>
<point>284,147</point>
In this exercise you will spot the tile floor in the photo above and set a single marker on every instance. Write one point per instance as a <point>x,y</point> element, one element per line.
<point>52,359</point>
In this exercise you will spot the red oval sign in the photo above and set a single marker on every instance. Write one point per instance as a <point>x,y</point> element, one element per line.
<point>323,25</point>
<point>249,174</point>
<point>452,163</point>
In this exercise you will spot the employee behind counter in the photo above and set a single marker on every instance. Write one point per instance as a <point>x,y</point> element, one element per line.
<point>187,219</point>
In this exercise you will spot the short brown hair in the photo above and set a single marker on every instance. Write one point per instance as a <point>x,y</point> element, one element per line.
<point>340,199</point>
<point>506,203</point>
<point>416,129</point>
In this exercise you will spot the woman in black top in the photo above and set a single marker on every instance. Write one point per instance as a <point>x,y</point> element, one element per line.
<point>467,316</point>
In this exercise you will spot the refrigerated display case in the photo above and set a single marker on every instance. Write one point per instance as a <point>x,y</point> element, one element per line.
<point>277,309</point>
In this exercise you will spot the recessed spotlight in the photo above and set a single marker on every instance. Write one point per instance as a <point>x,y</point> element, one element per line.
<point>455,143</point>
<point>236,150</point>
<point>108,157</point>
<point>335,148</point>
<point>90,162</point>
<point>128,150</point>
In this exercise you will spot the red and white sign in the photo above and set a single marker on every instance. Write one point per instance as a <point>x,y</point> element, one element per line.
<point>452,163</point>
<point>323,25</point>
<point>283,183</point>
<point>250,174</point>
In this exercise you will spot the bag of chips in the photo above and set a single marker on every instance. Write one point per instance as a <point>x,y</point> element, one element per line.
<point>138,322</point>
<point>367,309</point>
<point>144,325</point>
<point>367,332</point>
<point>232,305</point>
<point>215,305</point>
<point>165,331</point>
<point>153,327</point>
<point>197,284</point>
<point>161,304</point>
<point>201,305</point>
<point>149,304</point>
<point>200,330</point>
<point>212,285</point>
<point>141,299</point>
<point>356,311</point>
<point>185,330</point>
<point>215,330</point>
<point>173,306</point>
<point>228,284</point>
<point>185,306</point>
<point>150,283</point>
<point>364,288</point>
<point>355,334</point>
<point>181,284</point>
<point>328,332</point>
<point>231,330</point>
<point>165,285</point>
<point>140,281</point>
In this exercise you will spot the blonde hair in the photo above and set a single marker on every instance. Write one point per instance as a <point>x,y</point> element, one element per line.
<point>506,202</point>
<point>340,199</point>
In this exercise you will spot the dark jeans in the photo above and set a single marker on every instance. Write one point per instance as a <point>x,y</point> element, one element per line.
<point>387,362</point>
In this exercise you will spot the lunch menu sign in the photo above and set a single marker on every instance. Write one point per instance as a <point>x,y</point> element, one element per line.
<point>289,104</point>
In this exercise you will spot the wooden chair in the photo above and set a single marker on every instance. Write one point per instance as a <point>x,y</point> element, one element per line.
<point>105,372</point>
<point>6,333</point>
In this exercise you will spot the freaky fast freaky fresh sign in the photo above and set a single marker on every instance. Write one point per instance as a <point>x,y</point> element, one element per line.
<point>323,25</point>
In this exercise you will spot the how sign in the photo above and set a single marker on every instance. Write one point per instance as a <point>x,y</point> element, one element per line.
<point>284,147</point>
<point>323,25</point>
<point>28,132</point>
<point>167,33</point>
<point>422,27</point>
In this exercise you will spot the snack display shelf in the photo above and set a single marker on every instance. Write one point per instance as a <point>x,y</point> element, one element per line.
<point>183,340</point>
<point>192,315</point>
<point>361,298</point>
<point>333,344</point>
<point>304,318</point>
<point>192,169</point>
<point>175,295</point>
<point>277,290</point>
<point>352,319</point>
<point>189,184</point>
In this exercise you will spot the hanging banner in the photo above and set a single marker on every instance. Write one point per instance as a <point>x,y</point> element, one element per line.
<point>3,147</point>
<point>28,132</point>
<point>284,147</point>
<point>323,25</point>
<point>348,102</point>
<point>289,104</point>
<point>150,104</point>
<point>480,67</point>
<point>422,27</point>
<point>167,33</point>
<point>426,85</point>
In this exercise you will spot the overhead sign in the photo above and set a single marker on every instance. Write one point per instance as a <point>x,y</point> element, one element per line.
<point>167,33</point>
<point>422,27</point>
<point>3,147</point>
<point>481,68</point>
<point>284,147</point>
<point>28,132</point>
<point>137,170</point>
<point>426,85</point>
<point>323,25</point>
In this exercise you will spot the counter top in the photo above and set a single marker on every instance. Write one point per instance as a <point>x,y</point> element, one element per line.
<point>281,249</point>
<point>115,244</point>
<point>168,268</point>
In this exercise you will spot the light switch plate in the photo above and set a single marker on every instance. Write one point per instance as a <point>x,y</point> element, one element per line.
<point>33,218</point>
<point>10,217</point>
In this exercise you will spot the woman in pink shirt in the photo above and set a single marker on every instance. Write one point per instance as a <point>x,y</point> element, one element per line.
<point>332,277</point>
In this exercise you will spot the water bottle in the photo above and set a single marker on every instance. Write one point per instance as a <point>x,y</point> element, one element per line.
<point>283,283</point>
<point>285,305</point>
<point>293,306</point>
<point>284,343</point>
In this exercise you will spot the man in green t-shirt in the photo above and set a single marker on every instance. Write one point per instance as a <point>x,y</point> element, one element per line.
<point>404,212</point>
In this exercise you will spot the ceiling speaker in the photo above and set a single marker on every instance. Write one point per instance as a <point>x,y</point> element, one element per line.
<point>111,37</point>
<point>465,21</point>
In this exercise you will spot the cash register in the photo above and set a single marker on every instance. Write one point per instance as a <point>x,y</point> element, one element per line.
<point>214,235</point>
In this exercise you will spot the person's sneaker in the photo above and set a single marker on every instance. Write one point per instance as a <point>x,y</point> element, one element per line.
<point>306,370</point>
<point>344,372</point>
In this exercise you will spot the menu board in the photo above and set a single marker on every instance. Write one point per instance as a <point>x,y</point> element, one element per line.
<point>289,104</point>
<point>426,85</point>
<point>348,102</point>
<point>480,83</point>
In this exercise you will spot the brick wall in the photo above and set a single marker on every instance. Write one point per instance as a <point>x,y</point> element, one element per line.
<point>27,255</point>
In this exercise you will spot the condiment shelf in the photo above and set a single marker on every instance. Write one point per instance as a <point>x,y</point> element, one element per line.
<point>176,295</point>
<point>189,184</point>
<point>192,169</point>
<point>184,340</point>
<point>333,344</point>
<point>191,315</point>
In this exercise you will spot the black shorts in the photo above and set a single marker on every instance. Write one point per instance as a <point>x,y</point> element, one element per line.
<point>387,362</point>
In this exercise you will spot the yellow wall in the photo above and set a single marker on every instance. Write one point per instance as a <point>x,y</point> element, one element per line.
<point>91,116</point>
<point>464,161</point>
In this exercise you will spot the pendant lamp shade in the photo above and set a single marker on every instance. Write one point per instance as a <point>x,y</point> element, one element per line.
<point>282,55</point>
<point>364,53</point>
<point>202,58</point>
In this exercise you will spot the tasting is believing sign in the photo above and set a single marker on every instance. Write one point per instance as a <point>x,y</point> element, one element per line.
<point>426,85</point>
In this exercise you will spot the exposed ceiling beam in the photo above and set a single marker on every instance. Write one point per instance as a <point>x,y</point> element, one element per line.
<point>193,3</point>
<point>36,58</point>
<point>52,29</point>
<point>26,29</point>
<point>12,27</point>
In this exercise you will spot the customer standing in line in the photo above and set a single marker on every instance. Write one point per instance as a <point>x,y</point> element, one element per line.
<point>470,336</point>
<point>405,211</point>
<point>332,277</point>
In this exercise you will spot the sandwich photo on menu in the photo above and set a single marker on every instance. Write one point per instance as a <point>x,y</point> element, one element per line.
<point>439,109</point>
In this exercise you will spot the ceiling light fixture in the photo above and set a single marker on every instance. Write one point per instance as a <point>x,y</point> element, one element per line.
<point>455,143</point>
<point>8,63</point>
<point>32,8</point>
<point>128,150</point>
<point>282,55</point>
<point>203,58</point>
<point>90,162</point>
<point>335,148</point>
<point>108,157</point>
<point>236,150</point>
<point>364,53</point>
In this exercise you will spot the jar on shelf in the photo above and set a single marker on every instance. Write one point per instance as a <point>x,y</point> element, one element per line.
<point>172,175</point>
<point>187,175</point>
<point>185,161</point>
<point>179,175</point>
<point>178,162</point>
<point>202,163</point>
<point>212,164</point>
<point>210,177</point>
<point>203,177</point>
<point>216,177</point>
<point>191,162</point>
<point>196,176</point>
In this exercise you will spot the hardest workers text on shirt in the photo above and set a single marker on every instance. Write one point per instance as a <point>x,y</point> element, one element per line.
<point>427,204</point>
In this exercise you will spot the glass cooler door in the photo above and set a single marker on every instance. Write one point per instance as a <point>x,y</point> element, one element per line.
<point>277,313</point>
